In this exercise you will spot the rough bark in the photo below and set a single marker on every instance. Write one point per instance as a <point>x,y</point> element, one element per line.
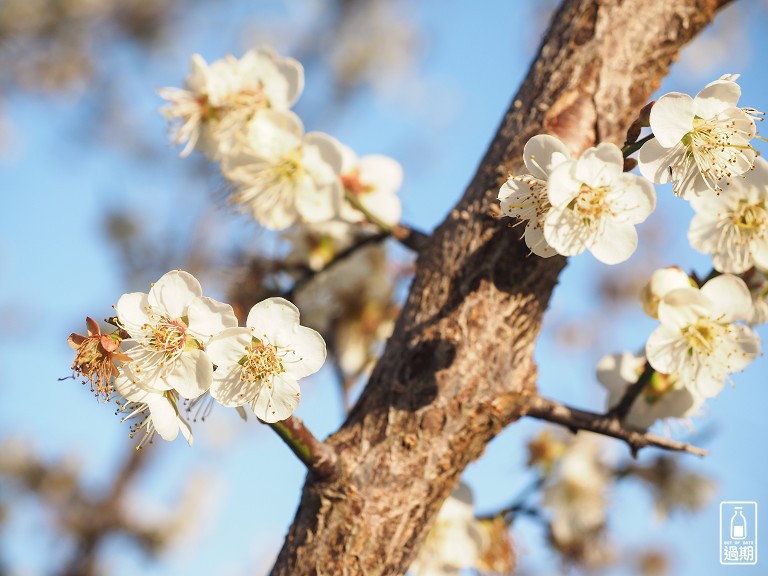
<point>459,366</point>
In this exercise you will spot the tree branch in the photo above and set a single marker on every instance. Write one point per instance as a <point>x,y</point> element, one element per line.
<point>620,410</point>
<point>605,424</point>
<point>459,366</point>
<point>319,458</point>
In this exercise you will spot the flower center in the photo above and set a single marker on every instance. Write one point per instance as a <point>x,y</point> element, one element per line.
<point>714,148</point>
<point>260,362</point>
<point>750,218</point>
<point>168,336</point>
<point>591,203</point>
<point>702,336</point>
<point>658,386</point>
<point>352,183</point>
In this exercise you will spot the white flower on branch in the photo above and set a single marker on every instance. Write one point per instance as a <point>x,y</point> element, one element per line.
<point>169,328</point>
<point>525,197</point>
<point>261,365</point>
<point>596,205</point>
<point>699,337</point>
<point>662,281</point>
<point>733,226</point>
<point>282,176</point>
<point>662,397</point>
<point>374,180</point>
<point>220,99</point>
<point>700,143</point>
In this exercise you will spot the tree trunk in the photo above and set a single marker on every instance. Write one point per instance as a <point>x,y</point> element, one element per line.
<point>459,366</point>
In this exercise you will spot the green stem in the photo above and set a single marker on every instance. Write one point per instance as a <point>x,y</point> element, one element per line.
<point>319,458</point>
<point>630,149</point>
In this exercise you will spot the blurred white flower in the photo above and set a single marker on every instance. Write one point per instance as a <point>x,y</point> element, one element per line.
<point>525,197</point>
<point>699,339</point>
<point>261,365</point>
<point>315,244</point>
<point>662,281</point>
<point>596,205</point>
<point>220,99</point>
<point>455,541</point>
<point>375,181</point>
<point>576,492</point>
<point>662,397</point>
<point>700,143</point>
<point>170,327</point>
<point>282,176</point>
<point>353,305</point>
<point>733,226</point>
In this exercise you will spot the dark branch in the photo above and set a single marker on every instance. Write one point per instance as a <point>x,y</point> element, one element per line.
<point>319,458</point>
<point>575,419</point>
<point>620,410</point>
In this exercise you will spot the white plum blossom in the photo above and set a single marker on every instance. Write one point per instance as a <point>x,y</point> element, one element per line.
<point>169,328</point>
<point>576,493</point>
<point>152,411</point>
<point>699,338</point>
<point>733,226</point>
<point>525,197</point>
<point>374,180</point>
<point>262,364</point>
<point>662,281</point>
<point>662,397</point>
<point>220,99</point>
<point>699,143</point>
<point>316,244</point>
<point>282,176</point>
<point>455,541</point>
<point>596,205</point>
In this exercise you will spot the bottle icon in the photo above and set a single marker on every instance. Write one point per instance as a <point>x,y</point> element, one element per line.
<point>738,525</point>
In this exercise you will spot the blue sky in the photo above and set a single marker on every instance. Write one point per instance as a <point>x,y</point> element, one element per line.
<point>55,268</point>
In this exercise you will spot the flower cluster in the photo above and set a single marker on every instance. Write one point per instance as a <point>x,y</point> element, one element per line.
<point>238,112</point>
<point>699,144</point>
<point>702,145</point>
<point>577,204</point>
<point>182,345</point>
<point>703,337</point>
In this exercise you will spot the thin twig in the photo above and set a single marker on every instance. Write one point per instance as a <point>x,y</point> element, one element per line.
<point>319,458</point>
<point>575,419</point>
<point>407,236</point>
<point>621,409</point>
<point>340,257</point>
<point>630,149</point>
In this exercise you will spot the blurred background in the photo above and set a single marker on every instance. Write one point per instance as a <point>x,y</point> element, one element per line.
<point>98,203</point>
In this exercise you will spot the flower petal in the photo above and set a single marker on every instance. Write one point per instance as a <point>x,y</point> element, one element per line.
<point>163,416</point>
<point>271,316</point>
<point>543,153</point>
<point>729,296</point>
<point>616,242</point>
<point>132,312</point>
<point>277,399</point>
<point>174,292</point>
<point>306,353</point>
<point>227,348</point>
<point>208,317</point>
<point>192,374</point>
<point>672,118</point>
<point>716,97</point>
